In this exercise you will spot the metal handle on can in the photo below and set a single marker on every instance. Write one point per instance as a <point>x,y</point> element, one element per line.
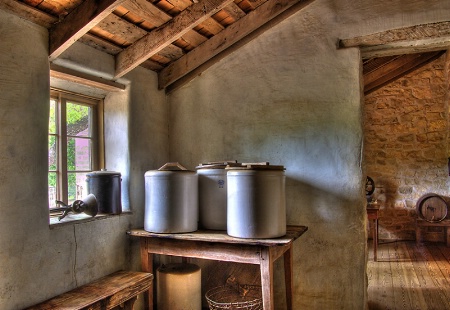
<point>170,165</point>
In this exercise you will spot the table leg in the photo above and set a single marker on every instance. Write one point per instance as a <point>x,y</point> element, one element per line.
<point>128,305</point>
<point>447,235</point>
<point>147,266</point>
<point>375,239</point>
<point>266,266</point>
<point>288,279</point>
<point>418,234</point>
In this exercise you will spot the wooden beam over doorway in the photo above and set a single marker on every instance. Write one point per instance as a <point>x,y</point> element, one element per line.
<point>407,40</point>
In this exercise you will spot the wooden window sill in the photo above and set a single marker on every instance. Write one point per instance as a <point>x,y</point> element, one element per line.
<point>72,219</point>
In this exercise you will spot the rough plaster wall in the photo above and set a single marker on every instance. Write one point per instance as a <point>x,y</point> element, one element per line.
<point>37,262</point>
<point>147,134</point>
<point>291,105</point>
<point>289,97</point>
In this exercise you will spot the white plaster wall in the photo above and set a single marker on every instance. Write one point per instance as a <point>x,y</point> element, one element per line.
<point>37,262</point>
<point>290,97</point>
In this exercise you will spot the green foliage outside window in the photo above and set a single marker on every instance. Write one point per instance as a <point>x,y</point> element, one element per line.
<point>78,125</point>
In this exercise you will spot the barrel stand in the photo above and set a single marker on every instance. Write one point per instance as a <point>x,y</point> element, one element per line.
<point>422,223</point>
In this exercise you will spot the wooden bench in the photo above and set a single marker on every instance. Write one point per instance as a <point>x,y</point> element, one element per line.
<point>119,289</point>
<point>420,223</point>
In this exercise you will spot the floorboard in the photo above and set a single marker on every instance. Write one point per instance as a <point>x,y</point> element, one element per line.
<point>407,276</point>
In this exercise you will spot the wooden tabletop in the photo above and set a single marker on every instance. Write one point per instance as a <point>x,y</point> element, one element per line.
<point>292,233</point>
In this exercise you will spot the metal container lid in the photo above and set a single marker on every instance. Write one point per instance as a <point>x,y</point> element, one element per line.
<point>102,173</point>
<point>255,166</point>
<point>169,168</point>
<point>216,164</point>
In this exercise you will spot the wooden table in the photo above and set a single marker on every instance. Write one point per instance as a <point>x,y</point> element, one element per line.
<point>372,214</point>
<point>217,245</point>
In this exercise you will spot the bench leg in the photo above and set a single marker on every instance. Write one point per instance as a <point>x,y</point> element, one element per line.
<point>147,266</point>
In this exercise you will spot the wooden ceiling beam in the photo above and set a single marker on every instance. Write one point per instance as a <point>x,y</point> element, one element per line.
<point>28,12</point>
<point>164,35</point>
<point>85,16</point>
<point>148,11</point>
<point>247,27</point>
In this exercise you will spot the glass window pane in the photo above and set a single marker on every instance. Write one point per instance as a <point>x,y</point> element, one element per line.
<point>77,188</point>
<point>78,154</point>
<point>52,153</point>
<point>52,189</point>
<point>52,117</point>
<point>78,120</point>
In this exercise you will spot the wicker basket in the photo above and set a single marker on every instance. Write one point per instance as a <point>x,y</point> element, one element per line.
<point>235,297</point>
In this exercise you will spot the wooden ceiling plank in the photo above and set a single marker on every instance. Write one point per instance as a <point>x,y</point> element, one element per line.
<point>151,65</point>
<point>85,16</point>
<point>160,59</point>
<point>100,44</point>
<point>167,7</point>
<point>28,12</point>
<point>209,27</point>
<point>84,78</point>
<point>120,28</point>
<point>58,8</point>
<point>234,11</point>
<point>180,4</point>
<point>256,3</point>
<point>32,2</point>
<point>172,52</point>
<point>245,5</point>
<point>253,21</point>
<point>161,37</point>
<point>194,38</point>
<point>148,11</point>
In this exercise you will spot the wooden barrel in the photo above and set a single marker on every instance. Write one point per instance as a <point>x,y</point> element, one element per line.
<point>433,207</point>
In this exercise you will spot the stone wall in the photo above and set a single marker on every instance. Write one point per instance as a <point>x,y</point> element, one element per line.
<point>406,146</point>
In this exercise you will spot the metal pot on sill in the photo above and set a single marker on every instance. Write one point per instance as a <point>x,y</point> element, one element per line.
<point>106,187</point>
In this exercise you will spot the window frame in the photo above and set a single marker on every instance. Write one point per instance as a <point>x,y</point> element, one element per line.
<point>61,98</point>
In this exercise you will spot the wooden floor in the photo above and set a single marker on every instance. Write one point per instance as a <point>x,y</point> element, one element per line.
<point>409,277</point>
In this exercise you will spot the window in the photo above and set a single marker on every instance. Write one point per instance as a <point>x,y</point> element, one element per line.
<point>73,145</point>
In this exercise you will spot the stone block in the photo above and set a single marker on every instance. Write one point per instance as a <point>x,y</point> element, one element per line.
<point>406,138</point>
<point>405,190</point>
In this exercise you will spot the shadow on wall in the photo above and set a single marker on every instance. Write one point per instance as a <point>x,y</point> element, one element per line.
<point>308,204</point>
<point>386,192</point>
<point>397,215</point>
